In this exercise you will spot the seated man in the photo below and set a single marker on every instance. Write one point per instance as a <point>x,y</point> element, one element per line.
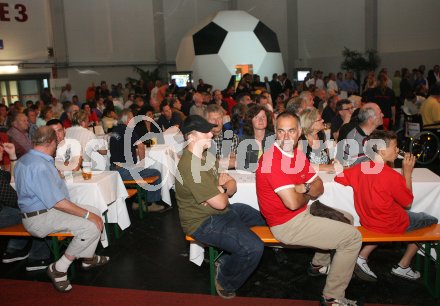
<point>68,154</point>
<point>205,214</point>
<point>18,134</point>
<point>46,208</point>
<point>39,254</point>
<point>87,139</point>
<point>168,118</point>
<point>350,150</point>
<point>124,153</point>
<point>382,198</point>
<point>226,142</point>
<point>285,184</point>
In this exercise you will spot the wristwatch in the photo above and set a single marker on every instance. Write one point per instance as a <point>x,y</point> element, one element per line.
<point>308,186</point>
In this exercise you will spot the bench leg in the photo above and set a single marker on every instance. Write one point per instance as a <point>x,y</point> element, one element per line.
<point>56,248</point>
<point>139,199</point>
<point>106,227</point>
<point>434,285</point>
<point>116,229</point>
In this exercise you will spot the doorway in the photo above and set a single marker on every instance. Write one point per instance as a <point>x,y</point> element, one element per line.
<point>22,87</point>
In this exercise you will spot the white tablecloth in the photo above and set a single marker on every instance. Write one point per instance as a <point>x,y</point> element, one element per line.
<point>163,158</point>
<point>426,190</point>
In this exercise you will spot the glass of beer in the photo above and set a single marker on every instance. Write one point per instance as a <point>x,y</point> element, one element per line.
<point>87,173</point>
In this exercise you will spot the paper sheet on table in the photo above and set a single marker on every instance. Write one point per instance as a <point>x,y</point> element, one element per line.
<point>196,253</point>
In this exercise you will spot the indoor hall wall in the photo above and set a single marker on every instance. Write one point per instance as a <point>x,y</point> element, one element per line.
<point>325,28</point>
<point>109,31</point>
<point>408,33</point>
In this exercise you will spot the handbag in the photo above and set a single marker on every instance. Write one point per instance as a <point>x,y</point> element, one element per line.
<point>318,209</point>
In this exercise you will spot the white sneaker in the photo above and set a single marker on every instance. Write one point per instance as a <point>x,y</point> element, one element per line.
<point>406,273</point>
<point>363,271</point>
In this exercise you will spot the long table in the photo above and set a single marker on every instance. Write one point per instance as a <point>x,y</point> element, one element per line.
<point>426,190</point>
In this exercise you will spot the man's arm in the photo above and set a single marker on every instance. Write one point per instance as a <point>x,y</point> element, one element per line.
<point>295,197</point>
<point>73,209</point>
<point>141,150</point>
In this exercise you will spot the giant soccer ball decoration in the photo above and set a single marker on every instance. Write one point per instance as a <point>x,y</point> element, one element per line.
<point>213,48</point>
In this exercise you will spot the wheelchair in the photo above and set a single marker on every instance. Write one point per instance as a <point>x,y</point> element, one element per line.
<point>421,141</point>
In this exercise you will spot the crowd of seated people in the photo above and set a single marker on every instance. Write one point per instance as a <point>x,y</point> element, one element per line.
<point>243,119</point>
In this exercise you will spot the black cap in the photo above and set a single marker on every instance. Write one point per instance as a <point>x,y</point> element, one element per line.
<point>196,123</point>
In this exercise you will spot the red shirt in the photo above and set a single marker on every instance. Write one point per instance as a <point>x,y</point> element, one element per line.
<point>5,160</point>
<point>379,196</point>
<point>278,170</point>
<point>67,123</point>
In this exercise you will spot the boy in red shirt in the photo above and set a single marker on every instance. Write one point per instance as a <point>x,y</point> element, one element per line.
<point>382,198</point>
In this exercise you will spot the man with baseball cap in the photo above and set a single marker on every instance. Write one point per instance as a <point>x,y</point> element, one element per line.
<point>205,214</point>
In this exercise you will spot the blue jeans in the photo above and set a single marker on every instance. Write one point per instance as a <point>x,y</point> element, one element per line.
<point>152,196</point>
<point>243,249</point>
<point>40,247</point>
<point>420,220</point>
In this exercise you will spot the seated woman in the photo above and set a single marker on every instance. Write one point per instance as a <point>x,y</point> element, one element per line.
<point>258,135</point>
<point>109,120</point>
<point>93,118</point>
<point>313,140</point>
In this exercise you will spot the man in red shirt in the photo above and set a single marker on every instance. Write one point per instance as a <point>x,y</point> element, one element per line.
<point>382,198</point>
<point>285,184</point>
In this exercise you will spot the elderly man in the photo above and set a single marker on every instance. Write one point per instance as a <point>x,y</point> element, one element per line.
<point>205,214</point>
<point>124,159</point>
<point>38,257</point>
<point>285,184</point>
<point>226,142</point>
<point>73,108</point>
<point>46,212</point>
<point>86,138</point>
<point>18,134</point>
<point>350,150</point>
<point>198,108</point>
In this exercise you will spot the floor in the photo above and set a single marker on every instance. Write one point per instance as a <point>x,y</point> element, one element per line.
<point>153,255</point>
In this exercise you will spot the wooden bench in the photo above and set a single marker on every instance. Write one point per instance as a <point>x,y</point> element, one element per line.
<point>140,191</point>
<point>426,235</point>
<point>19,231</point>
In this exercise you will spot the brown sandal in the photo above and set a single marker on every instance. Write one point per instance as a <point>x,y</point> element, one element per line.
<point>59,279</point>
<point>95,261</point>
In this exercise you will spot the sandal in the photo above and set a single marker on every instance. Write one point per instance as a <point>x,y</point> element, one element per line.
<point>59,279</point>
<point>95,261</point>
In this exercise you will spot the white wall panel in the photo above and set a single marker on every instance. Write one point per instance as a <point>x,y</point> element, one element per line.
<point>109,30</point>
<point>407,25</point>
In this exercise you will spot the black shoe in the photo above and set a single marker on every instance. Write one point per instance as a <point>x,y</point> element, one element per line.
<point>15,256</point>
<point>39,264</point>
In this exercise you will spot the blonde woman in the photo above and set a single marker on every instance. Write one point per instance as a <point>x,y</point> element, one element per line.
<point>313,142</point>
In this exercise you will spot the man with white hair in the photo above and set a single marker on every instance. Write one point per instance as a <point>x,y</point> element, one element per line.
<point>351,150</point>
<point>198,108</point>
